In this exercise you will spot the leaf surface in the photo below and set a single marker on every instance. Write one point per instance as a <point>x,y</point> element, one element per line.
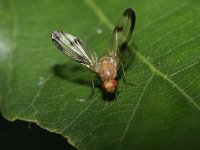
<point>39,84</point>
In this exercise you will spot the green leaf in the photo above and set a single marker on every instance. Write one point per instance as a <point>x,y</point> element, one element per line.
<point>39,84</point>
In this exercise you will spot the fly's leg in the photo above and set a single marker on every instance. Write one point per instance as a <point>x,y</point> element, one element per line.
<point>93,83</point>
<point>125,77</point>
<point>107,102</point>
<point>93,88</point>
<point>116,97</point>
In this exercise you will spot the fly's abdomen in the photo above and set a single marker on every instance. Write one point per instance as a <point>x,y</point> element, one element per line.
<point>107,68</point>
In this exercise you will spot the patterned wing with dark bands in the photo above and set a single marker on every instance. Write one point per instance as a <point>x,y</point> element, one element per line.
<point>75,48</point>
<point>122,32</point>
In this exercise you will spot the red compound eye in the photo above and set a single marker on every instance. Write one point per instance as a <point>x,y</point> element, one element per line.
<point>103,85</point>
<point>114,83</point>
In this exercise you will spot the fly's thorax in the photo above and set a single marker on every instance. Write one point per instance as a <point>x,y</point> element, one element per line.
<point>108,67</point>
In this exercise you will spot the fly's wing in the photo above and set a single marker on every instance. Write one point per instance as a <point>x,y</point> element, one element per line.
<point>75,49</point>
<point>122,32</point>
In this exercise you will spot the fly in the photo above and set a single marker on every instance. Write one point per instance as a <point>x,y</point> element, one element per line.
<point>108,65</point>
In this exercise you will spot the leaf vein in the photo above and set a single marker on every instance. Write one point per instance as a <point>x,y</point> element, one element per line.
<point>187,67</point>
<point>86,108</point>
<point>179,45</point>
<point>161,17</point>
<point>166,34</point>
<point>135,110</point>
<point>36,96</point>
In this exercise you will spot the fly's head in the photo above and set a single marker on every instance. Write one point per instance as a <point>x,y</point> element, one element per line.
<point>110,85</point>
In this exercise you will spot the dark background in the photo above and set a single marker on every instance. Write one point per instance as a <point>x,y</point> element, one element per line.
<point>23,135</point>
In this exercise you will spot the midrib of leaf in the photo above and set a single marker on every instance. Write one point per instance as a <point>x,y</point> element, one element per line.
<point>108,24</point>
<point>99,13</point>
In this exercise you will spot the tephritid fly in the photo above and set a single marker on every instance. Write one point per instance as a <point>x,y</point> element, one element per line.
<point>108,65</point>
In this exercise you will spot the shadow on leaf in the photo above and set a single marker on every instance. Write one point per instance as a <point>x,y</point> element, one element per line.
<point>73,73</point>
<point>76,74</point>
